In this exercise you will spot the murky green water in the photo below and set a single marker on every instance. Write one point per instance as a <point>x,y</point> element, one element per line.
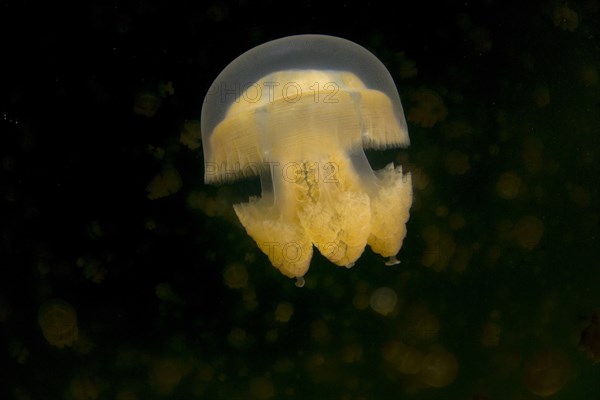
<point>125,277</point>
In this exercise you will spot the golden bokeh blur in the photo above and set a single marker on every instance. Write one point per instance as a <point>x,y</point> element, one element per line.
<point>408,67</point>
<point>546,372</point>
<point>508,185</point>
<point>541,96</point>
<point>166,373</point>
<point>383,300</point>
<point>457,162</point>
<point>565,18</point>
<point>284,312</point>
<point>146,103</point>
<point>528,231</point>
<point>165,183</point>
<point>428,109</point>
<point>490,335</point>
<point>191,136</point>
<point>235,275</point>
<point>84,389</point>
<point>421,323</point>
<point>405,359</point>
<point>58,321</point>
<point>262,388</point>
<point>440,368</point>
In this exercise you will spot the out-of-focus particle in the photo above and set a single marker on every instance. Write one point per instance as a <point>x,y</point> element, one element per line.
<point>4,311</point>
<point>237,337</point>
<point>428,108</point>
<point>166,89</point>
<point>165,183</point>
<point>213,206</point>
<point>456,221</point>
<point>406,359</point>
<point>146,103</point>
<point>84,344</point>
<point>490,335</point>
<point>589,75</point>
<point>352,353</point>
<point>439,368</point>
<point>18,351</point>
<point>249,298</point>
<point>58,321</point>
<point>164,291</point>
<point>205,372</point>
<point>284,312</point>
<point>456,129</point>
<point>407,68</point>
<point>528,232</point>
<point>589,341</point>
<point>126,394</point>
<point>156,151</point>
<point>191,137</point>
<point>546,372</point>
<point>565,18</point>
<point>422,324</point>
<point>531,153</point>
<point>235,275</point>
<point>420,179</point>
<point>262,388</point>
<point>166,373</point>
<point>319,331</point>
<point>541,96</point>
<point>92,269</point>
<point>508,185</point>
<point>579,195</point>
<point>383,300</point>
<point>94,229</point>
<point>482,40</point>
<point>457,162</point>
<point>84,389</point>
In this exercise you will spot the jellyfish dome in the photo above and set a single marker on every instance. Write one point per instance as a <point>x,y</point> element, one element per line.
<point>299,112</point>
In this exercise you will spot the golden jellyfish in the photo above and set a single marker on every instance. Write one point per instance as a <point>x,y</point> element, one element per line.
<point>58,321</point>
<point>299,112</point>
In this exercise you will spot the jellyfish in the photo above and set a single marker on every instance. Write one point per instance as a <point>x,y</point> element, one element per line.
<point>299,112</point>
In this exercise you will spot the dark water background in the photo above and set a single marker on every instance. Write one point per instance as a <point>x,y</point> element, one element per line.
<point>85,91</point>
